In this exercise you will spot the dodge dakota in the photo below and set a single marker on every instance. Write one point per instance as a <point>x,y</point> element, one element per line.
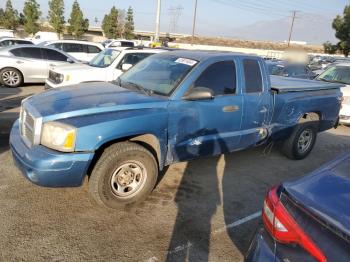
<point>170,107</point>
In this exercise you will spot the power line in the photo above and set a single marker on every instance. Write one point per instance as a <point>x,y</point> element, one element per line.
<point>174,13</point>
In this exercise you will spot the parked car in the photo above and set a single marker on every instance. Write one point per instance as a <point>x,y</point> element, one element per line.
<point>282,68</point>
<point>170,107</point>
<point>307,219</point>
<point>340,73</point>
<point>41,36</point>
<point>29,64</point>
<point>81,50</point>
<point>106,66</point>
<point>120,43</point>
<point>10,41</point>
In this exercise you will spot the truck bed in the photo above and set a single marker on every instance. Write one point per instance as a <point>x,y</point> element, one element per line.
<point>288,84</point>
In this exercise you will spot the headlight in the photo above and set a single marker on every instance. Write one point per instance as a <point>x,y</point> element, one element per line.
<point>346,100</point>
<point>58,136</point>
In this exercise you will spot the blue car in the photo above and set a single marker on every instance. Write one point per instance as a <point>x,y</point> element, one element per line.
<point>307,219</point>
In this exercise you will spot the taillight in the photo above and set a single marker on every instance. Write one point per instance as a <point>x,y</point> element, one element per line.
<point>283,228</point>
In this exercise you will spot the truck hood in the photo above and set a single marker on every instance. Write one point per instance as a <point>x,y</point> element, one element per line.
<point>90,98</point>
<point>326,193</point>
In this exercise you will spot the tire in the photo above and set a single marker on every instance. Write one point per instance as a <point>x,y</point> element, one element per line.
<point>301,141</point>
<point>125,173</point>
<point>11,77</point>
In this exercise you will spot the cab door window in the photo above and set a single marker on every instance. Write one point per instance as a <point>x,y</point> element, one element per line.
<point>219,77</point>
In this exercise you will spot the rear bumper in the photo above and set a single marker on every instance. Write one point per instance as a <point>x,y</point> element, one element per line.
<point>264,248</point>
<point>49,168</point>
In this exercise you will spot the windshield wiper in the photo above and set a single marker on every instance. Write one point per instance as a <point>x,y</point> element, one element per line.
<point>137,87</point>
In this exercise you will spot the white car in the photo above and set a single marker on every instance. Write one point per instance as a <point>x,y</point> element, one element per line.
<point>81,50</point>
<point>10,41</point>
<point>340,73</point>
<point>106,66</point>
<point>41,36</point>
<point>118,43</point>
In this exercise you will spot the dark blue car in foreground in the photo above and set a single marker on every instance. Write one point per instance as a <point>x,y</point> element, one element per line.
<point>307,219</point>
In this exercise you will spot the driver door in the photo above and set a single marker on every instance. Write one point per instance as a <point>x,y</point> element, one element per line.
<point>212,126</point>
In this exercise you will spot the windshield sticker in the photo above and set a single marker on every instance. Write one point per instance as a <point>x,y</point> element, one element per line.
<point>186,61</point>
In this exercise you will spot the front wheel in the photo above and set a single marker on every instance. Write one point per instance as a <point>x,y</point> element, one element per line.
<point>301,141</point>
<point>125,173</point>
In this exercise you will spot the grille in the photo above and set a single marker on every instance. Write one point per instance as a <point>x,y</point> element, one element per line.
<point>27,126</point>
<point>54,77</point>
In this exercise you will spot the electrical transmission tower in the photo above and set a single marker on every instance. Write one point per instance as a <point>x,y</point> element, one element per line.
<point>174,14</point>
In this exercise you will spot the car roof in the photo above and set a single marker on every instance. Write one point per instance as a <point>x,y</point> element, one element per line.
<point>74,41</point>
<point>201,55</point>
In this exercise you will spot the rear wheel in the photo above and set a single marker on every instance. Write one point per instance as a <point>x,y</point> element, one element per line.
<point>11,77</point>
<point>125,173</point>
<point>301,141</point>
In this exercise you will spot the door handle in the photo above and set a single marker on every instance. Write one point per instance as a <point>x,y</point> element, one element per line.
<point>52,65</point>
<point>263,110</point>
<point>230,108</point>
<point>19,62</point>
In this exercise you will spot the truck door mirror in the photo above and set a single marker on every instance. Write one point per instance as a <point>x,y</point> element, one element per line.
<point>126,67</point>
<point>199,93</point>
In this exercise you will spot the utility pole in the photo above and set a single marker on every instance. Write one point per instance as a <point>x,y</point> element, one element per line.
<point>194,20</point>
<point>291,27</point>
<point>156,36</point>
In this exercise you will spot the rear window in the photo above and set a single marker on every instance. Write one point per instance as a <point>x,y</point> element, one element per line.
<point>127,44</point>
<point>27,52</point>
<point>55,55</point>
<point>252,76</point>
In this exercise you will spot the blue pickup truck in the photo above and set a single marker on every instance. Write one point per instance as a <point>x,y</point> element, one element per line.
<point>171,107</point>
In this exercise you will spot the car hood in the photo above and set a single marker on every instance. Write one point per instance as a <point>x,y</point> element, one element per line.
<point>90,98</point>
<point>326,193</point>
<point>80,68</point>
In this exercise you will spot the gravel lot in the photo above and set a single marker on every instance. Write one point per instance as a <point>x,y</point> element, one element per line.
<point>195,213</point>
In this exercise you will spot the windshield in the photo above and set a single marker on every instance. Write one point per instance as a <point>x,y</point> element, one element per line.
<point>336,74</point>
<point>104,58</point>
<point>276,69</point>
<point>158,74</point>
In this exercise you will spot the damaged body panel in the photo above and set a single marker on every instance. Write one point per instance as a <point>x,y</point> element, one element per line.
<point>178,105</point>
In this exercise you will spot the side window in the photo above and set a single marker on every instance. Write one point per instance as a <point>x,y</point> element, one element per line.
<point>57,45</point>
<point>22,42</point>
<point>93,49</point>
<point>220,77</point>
<point>127,44</point>
<point>133,59</point>
<point>28,52</point>
<point>5,43</point>
<point>252,76</point>
<point>55,55</point>
<point>73,48</point>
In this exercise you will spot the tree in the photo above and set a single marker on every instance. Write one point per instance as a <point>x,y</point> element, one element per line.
<point>2,14</point>
<point>329,48</point>
<point>32,14</point>
<point>129,24</point>
<point>110,25</point>
<point>10,18</point>
<point>341,25</point>
<point>56,15</point>
<point>77,24</point>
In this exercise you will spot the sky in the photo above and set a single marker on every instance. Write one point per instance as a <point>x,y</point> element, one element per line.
<point>214,17</point>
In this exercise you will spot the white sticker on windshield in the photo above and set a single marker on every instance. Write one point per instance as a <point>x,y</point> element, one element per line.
<point>186,61</point>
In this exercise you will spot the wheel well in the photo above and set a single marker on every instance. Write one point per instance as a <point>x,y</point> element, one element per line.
<point>309,117</point>
<point>149,141</point>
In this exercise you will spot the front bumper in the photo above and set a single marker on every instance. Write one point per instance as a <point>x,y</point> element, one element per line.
<point>49,168</point>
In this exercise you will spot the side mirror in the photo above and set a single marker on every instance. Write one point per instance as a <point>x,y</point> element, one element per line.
<point>199,93</point>
<point>126,67</point>
<point>69,60</point>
